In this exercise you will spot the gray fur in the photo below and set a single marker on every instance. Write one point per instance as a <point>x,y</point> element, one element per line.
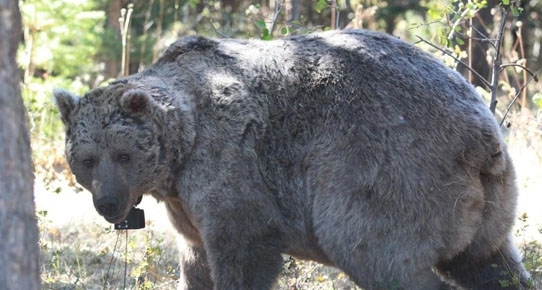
<point>351,148</point>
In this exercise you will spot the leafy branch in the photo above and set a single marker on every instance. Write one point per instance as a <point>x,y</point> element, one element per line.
<point>506,7</point>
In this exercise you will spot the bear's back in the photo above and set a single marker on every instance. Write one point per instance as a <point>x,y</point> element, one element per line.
<point>351,73</point>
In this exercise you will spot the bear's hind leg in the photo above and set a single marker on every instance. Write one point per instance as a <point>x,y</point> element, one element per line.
<point>501,269</point>
<point>491,260</point>
<point>418,281</point>
<point>399,277</point>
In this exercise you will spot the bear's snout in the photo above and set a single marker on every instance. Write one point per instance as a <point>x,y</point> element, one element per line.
<point>108,206</point>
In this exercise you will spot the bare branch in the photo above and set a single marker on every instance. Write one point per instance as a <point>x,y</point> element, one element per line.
<point>457,22</point>
<point>196,21</point>
<point>497,62</point>
<point>278,7</point>
<point>448,53</point>
<point>220,33</point>
<point>533,77</point>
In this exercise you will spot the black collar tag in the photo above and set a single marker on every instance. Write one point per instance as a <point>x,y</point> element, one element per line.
<point>135,220</point>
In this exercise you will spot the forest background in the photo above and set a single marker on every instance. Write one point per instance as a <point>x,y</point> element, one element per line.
<point>82,44</point>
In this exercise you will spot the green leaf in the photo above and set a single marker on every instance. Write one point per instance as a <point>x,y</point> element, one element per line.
<point>266,35</point>
<point>320,5</point>
<point>505,2</point>
<point>260,24</point>
<point>537,99</point>
<point>515,11</point>
<point>284,31</point>
<point>193,3</point>
<point>459,41</point>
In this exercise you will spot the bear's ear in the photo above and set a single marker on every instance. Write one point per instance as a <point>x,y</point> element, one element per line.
<point>67,104</point>
<point>135,101</point>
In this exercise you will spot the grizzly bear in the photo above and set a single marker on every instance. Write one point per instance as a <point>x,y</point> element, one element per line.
<point>350,148</point>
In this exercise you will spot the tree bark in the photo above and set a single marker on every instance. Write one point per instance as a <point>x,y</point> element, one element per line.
<point>19,251</point>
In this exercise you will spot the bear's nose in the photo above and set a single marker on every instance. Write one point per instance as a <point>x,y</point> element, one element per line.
<point>108,206</point>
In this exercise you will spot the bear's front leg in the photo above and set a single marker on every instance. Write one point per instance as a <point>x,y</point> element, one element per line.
<point>243,249</point>
<point>194,267</point>
<point>194,273</point>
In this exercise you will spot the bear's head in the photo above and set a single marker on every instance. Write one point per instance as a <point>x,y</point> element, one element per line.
<point>116,143</point>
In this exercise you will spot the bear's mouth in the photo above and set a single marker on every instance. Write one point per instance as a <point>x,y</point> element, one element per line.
<point>123,215</point>
<point>117,218</point>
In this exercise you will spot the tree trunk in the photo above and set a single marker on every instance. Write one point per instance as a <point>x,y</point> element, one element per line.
<point>19,251</point>
<point>112,66</point>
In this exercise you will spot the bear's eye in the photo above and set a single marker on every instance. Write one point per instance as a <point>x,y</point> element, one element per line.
<point>124,157</point>
<point>89,162</point>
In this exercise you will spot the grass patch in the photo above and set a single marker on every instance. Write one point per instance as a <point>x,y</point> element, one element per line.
<point>91,256</point>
